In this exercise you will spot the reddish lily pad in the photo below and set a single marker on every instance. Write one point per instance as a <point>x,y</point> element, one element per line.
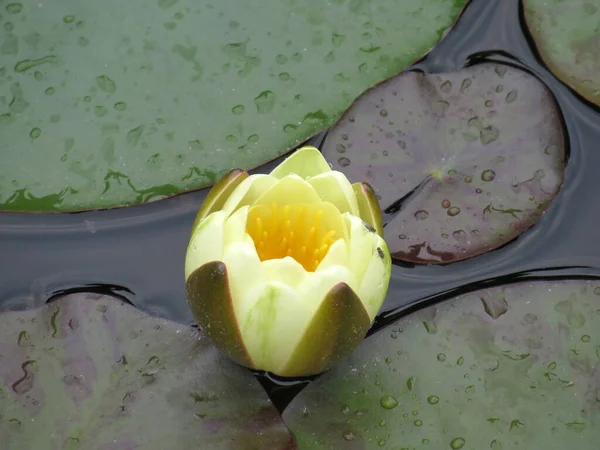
<point>462,162</point>
<point>501,368</point>
<point>89,372</point>
<point>567,36</point>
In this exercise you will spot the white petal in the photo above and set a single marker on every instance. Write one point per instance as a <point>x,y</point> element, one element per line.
<point>335,188</point>
<point>286,270</point>
<point>248,191</point>
<point>336,255</point>
<point>363,243</point>
<point>374,284</point>
<point>305,162</point>
<point>206,244</point>
<point>272,318</point>
<point>243,268</point>
<point>290,189</point>
<point>316,285</point>
<point>235,227</point>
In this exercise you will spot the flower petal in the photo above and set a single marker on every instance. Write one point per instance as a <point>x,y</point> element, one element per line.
<point>335,330</point>
<point>368,205</point>
<point>209,297</point>
<point>334,187</point>
<point>272,318</point>
<point>316,285</point>
<point>337,255</point>
<point>234,229</point>
<point>290,189</point>
<point>305,162</point>
<point>248,191</point>
<point>206,243</point>
<point>362,244</point>
<point>285,270</point>
<point>374,285</point>
<point>219,193</point>
<point>244,268</point>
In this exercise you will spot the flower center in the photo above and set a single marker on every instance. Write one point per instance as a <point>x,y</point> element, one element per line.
<point>294,230</point>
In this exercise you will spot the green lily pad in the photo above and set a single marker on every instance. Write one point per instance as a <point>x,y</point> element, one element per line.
<point>462,162</point>
<point>89,372</point>
<point>501,368</point>
<point>111,103</point>
<point>567,37</point>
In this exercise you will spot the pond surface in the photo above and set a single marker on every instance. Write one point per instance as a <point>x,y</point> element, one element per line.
<point>138,252</point>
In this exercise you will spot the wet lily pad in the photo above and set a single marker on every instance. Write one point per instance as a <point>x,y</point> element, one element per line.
<point>112,103</point>
<point>508,367</point>
<point>88,372</point>
<point>463,162</point>
<point>567,37</point>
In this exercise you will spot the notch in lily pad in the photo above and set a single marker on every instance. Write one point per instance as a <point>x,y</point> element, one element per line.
<point>462,162</point>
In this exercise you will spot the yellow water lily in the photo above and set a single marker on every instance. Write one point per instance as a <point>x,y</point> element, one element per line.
<point>285,272</point>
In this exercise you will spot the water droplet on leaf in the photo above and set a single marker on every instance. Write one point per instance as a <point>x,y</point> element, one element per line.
<point>511,96</point>
<point>344,162</point>
<point>421,214</point>
<point>457,443</point>
<point>238,109</point>
<point>446,86</point>
<point>388,402</point>
<point>433,399</point>
<point>265,102</point>
<point>488,175</point>
<point>453,211</point>
<point>106,84</point>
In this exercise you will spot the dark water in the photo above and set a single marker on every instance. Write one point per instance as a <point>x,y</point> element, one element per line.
<point>138,252</point>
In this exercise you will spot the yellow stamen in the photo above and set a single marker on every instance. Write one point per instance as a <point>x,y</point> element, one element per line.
<point>293,230</point>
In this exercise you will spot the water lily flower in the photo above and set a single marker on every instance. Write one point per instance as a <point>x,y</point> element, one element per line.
<point>285,272</point>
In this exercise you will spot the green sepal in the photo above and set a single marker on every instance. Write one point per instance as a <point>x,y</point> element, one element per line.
<point>219,193</point>
<point>209,297</point>
<point>368,206</point>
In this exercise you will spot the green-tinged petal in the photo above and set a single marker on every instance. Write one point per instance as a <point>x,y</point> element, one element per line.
<point>218,194</point>
<point>248,191</point>
<point>290,189</point>
<point>337,255</point>
<point>285,270</point>
<point>244,269</point>
<point>272,319</point>
<point>208,294</point>
<point>305,162</point>
<point>335,330</point>
<point>206,243</point>
<point>368,206</point>
<point>316,285</point>
<point>235,227</point>
<point>362,245</point>
<point>335,188</point>
<point>374,285</point>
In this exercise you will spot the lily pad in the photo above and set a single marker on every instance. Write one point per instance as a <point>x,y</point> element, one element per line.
<point>462,162</point>
<point>89,372</point>
<point>515,366</point>
<point>112,103</point>
<point>567,37</point>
